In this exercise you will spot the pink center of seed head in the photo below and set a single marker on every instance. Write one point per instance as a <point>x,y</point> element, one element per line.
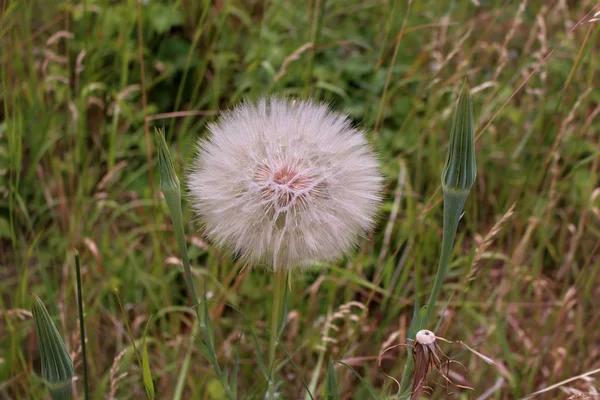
<point>286,187</point>
<point>286,176</point>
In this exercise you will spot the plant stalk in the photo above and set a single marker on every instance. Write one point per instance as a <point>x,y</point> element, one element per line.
<point>86,394</point>
<point>278,288</point>
<point>453,207</point>
<point>458,176</point>
<point>170,187</point>
<point>174,203</point>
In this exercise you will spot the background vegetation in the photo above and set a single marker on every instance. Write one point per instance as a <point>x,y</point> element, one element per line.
<point>82,87</point>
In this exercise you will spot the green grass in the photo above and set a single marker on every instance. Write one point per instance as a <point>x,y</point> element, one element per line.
<point>75,173</point>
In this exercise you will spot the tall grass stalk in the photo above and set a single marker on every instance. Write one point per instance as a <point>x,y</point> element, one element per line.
<point>86,394</point>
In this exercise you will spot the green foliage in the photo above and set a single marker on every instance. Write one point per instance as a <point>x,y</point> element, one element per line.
<point>82,340</point>
<point>74,173</point>
<point>146,373</point>
<point>458,177</point>
<point>332,391</point>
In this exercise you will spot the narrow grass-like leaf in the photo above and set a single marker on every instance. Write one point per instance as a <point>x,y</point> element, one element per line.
<point>366,384</point>
<point>236,367</point>
<point>421,320</point>
<point>331,386</point>
<point>185,365</point>
<point>254,338</point>
<point>128,328</point>
<point>207,353</point>
<point>316,370</point>
<point>225,375</point>
<point>260,358</point>
<point>81,327</point>
<point>209,334</point>
<point>146,373</point>
<point>298,371</point>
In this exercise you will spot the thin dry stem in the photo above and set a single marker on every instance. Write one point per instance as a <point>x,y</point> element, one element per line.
<point>380,357</point>
<point>562,383</point>
<point>181,114</point>
<point>292,57</point>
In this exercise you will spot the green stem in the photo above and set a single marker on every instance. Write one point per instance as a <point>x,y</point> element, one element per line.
<point>173,200</point>
<point>278,287</point>
<point>169,185</point>
<point>454,203</point>
<point>81,328</point>
<point>453,206</point>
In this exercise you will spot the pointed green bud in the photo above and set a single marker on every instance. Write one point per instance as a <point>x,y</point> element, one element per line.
<point>169,185</point>
<point>57,366</point>
<point>168,177</point>
<point>460,169</point>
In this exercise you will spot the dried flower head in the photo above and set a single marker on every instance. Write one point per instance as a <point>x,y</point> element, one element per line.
<point>285,183</point>
<point>428,356</point>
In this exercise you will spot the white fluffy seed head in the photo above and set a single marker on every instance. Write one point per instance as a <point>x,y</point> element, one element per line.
<point>285,183</point>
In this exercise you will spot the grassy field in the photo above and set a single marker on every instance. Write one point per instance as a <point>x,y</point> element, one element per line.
<point>83,84</point>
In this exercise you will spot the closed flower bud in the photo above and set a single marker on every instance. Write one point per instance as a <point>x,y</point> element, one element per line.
<point>57,366</point>
<point>460,169</point>
<point>285,183</point>
<point>168,178</point>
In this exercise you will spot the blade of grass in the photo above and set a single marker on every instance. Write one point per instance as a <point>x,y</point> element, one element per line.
<point>185,365</point>
<point>146,373</point>
<point>361,379</point>
<point>128,328</point>
<point>331,387</point>
<point>236,367</point>
<point>81,327</point>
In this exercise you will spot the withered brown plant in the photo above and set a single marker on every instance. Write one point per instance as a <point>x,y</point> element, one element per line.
<point>428,356</point>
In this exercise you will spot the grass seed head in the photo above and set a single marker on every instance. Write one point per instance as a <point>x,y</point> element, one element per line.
<point>285,183</point>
